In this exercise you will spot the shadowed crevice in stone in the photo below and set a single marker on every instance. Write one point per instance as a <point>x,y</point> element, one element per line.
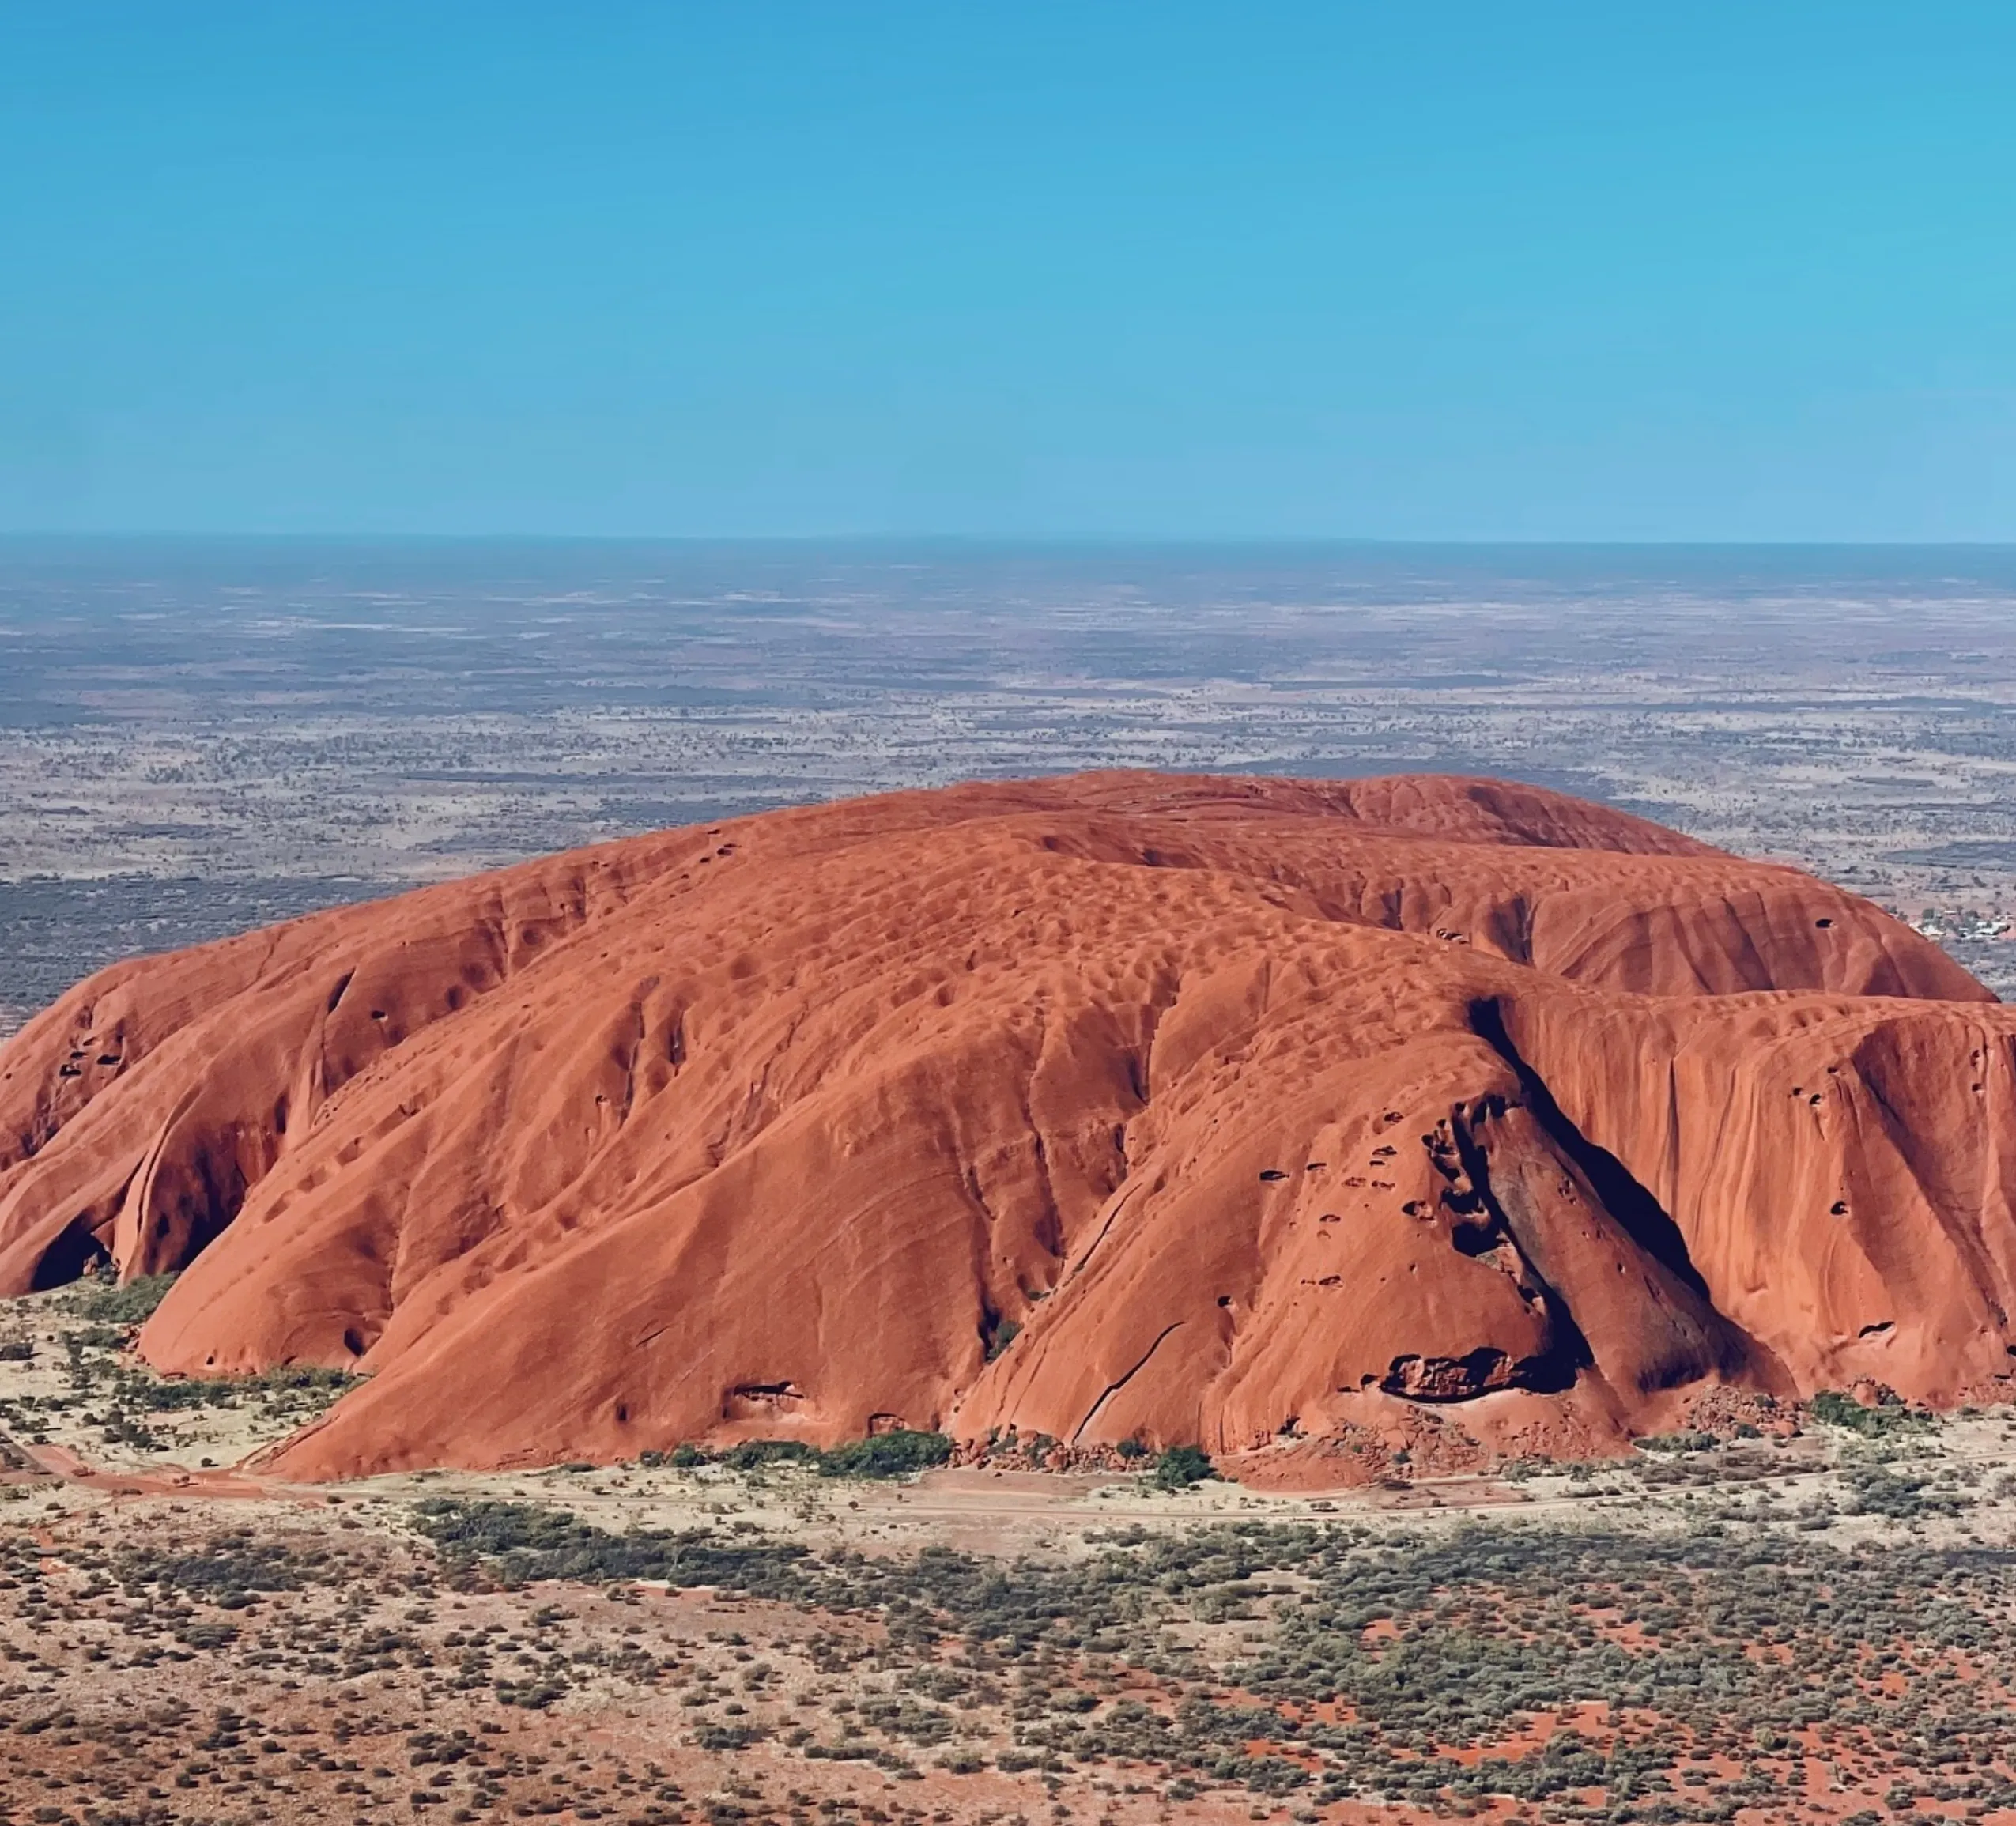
<point>1641,1215</point>
<point>1554,1370</point>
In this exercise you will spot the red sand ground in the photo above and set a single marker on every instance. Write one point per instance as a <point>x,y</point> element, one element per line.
<point>1269,1111</point>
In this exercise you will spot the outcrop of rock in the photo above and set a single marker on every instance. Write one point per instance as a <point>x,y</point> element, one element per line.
<point>1230,1110</point>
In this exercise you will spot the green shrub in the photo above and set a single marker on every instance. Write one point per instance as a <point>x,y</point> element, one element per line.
<point>896,1455</point>
<point>291,1384</point>
<point>752,1454</point>
<point>112,1304</point>
<point>1181,1466</point>
<point>1676,1442</point>
<point>1902,1496</point>
<point>308,1378</point>
<point>1888,1416</point>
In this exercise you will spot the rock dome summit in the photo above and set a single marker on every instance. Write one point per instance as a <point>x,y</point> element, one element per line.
<point>1238,1111</point>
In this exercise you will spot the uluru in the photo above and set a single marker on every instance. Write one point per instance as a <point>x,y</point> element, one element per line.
<point>1123,1107</point>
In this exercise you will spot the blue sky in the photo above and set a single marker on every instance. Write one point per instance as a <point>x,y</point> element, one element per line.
<point>1611,271</point>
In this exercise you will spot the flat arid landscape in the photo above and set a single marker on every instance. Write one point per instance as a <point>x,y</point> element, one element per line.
<point>1396,1207</point>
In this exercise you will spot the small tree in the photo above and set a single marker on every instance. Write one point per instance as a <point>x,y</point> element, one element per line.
<point>1181,1466</point>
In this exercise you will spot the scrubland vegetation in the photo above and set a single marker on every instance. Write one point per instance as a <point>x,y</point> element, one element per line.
<point>1661,1676</point>
<point>1728,1624</point>
<point>503,1660</point>
<point>93,1393</point>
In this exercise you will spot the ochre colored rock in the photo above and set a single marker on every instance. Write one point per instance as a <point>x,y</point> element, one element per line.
<point>1264,1109</point>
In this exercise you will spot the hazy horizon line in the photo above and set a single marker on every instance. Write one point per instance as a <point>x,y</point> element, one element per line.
<point>1092,541</point>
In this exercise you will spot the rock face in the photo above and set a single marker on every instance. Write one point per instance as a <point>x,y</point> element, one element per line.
<point>1126,1106</point>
